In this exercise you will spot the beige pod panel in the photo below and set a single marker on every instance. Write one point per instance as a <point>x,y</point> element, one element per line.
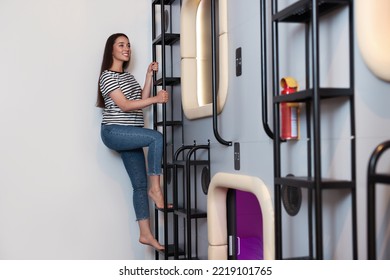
<point>372,28</point>
<point>195,50</point>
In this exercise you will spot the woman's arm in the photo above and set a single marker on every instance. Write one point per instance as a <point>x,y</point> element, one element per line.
<point>153,67</point>
<point>128,105</point>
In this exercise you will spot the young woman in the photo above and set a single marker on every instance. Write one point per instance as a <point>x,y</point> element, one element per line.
<point>122,100</point>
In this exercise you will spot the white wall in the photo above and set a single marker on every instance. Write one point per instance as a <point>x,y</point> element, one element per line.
<point>63,194</point>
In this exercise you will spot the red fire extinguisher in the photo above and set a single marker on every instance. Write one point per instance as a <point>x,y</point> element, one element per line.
<point>289,111</point>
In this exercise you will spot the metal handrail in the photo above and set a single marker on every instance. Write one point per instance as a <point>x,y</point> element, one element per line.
<point>191,151</point>
<point>263,62</point>
<point>214,78</point>
<point>372,178</point>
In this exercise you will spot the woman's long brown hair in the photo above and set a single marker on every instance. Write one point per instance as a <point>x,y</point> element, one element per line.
<point>107,63</point>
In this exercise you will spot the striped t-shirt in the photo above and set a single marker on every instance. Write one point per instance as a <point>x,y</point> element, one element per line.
<point>112,114</point>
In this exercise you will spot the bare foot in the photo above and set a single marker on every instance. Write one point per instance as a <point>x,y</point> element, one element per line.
<point>151,241</point>
<point>158,198</point>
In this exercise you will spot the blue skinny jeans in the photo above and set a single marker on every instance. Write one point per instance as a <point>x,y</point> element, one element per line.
<point>129,141</point>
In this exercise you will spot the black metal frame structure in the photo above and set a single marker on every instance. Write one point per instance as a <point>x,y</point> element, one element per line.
<point>165,39</point>
<point>176,155</point>
<point>188,159</point>
<point>308,12</point>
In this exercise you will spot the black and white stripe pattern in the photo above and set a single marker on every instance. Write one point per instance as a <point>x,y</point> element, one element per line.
<point>112,114</point>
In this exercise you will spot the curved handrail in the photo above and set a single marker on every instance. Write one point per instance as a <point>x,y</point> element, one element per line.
<point>191,148</point>
<point>194,149</point>
<point>182,149</point>
<point>372,179</point>
<point>376,154</point>
<point>214,78</point>
<point>263,62</point>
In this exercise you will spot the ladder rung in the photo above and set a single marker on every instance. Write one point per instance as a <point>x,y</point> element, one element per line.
<point>195,213</point>
<point>192,162</point>
<point>170,123</point>
<point>169,39</point>
<point>169,81</point>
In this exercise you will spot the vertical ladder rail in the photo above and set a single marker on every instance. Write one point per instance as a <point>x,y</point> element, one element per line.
<point>317,132</point>
<point>277,140</point>
<point>164,115</point>
<point>154,57</point>
<point>353,130</point>
<point>309,143</point>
